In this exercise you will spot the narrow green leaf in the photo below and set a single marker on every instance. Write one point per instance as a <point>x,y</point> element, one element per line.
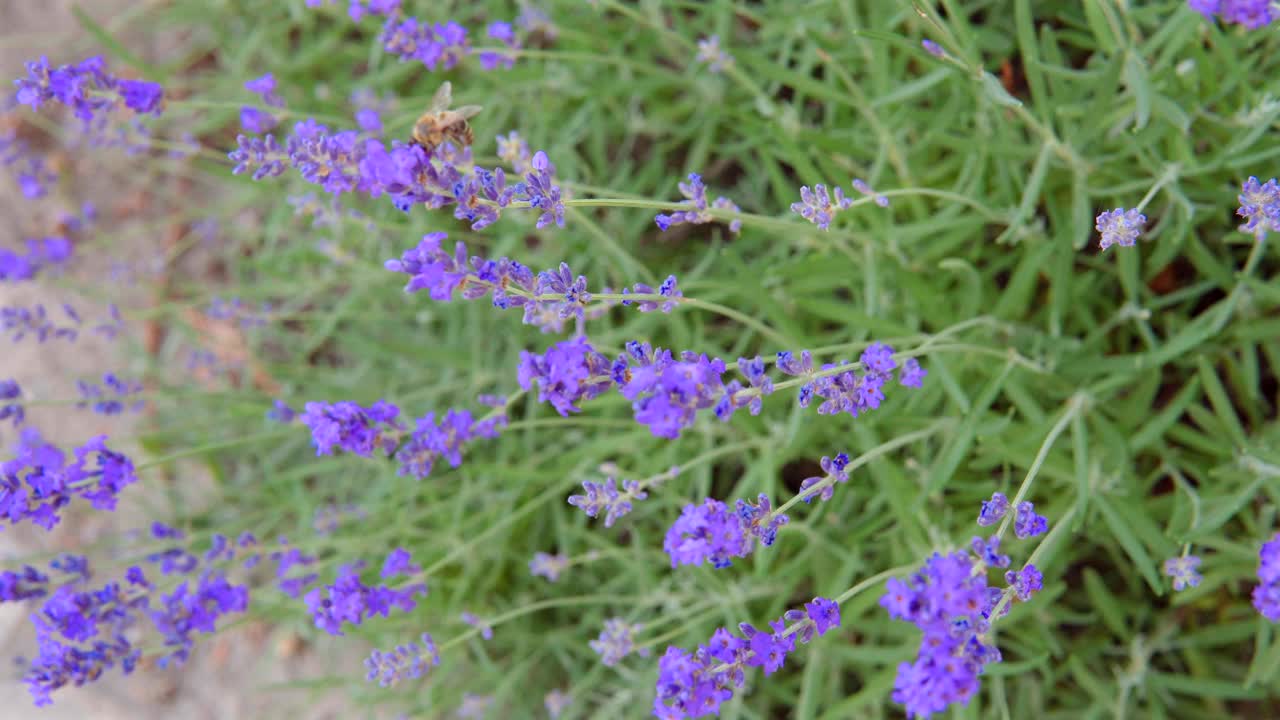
<point>1131,544</point>
<point>1138,83</point>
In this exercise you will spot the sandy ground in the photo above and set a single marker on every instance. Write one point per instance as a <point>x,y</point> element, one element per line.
<point>225,677</point>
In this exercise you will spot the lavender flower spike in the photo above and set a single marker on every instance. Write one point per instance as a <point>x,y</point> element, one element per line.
<point>1120,227</point>
<point>1260,207</point>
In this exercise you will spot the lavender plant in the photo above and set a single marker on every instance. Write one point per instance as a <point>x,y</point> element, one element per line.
<point>957,262</point>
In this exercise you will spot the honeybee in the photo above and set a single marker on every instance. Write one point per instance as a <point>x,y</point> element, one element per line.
<point>439,123</point>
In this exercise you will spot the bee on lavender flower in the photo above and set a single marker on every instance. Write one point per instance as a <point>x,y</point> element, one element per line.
<point>439,123</point>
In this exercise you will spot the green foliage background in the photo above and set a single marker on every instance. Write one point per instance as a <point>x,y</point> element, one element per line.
<point>1139,384</point>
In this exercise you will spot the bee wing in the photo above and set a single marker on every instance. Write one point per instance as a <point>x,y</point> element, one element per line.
<point>443,97</point>
<point>466,112</point>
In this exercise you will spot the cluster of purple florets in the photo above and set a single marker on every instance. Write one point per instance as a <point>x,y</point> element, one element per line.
<point>1120,227</point>
<point>1252,14</point>
<point>442,45</point>
<point>820,207</point>
<point>549,298</point>
<point>713,533</point>
<point>41,254</point>
<point>87,89</point>
<point>1266,596</point>
<point>667,391</point>
<point>698,212</point>
<point>604,498</point>
<point>405,662</point>
<point>1027,522</point>
<point>81,631</point>
<point>349,600</point>
<point>616,641</point>
<point>112,397</point>
<point>12,410</point>
<point>951,603</point>
<point>834,467</point>
<point>953,606</point>
<point>1260,207</point>
<point>692,685</point>
<point>22,321</point>
<point>350,161</point>
<point>846,391</point>
<point>362,431</point>
<point>40,479</point>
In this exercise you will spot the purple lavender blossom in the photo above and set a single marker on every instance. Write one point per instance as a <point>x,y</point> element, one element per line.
<point>759,520</point>
<point>111,397</point>
<point>486,630</point>
<point>695,194</point>
<point>1184,571</point>
<point>834,467</point>
<point>40,479</point>
<point>950,604</point>
<point>567,373</point>
<point>141,96</point>
<point>862,187</point>
<point>351,428</point>
<point>405,662</point>
<point>753,370</point>
<point>605,497</point>
<point>824,613</point>
<point>398,562</point>
<point>541,192</point>
<point>853,394</point>
<point>351,161</point>
<point>710,52</point>
<point>911,374</point>
<point>988,551</point>
<point>281,412</point>
<point>1260,207</point>
<point>515,152</point>
<point>1028,523</point>
<point>505,34</point>
<point>556,702</point>
<point>616,641</point>
<point>667,289</point>
<point>439,45</point>
<point>357,9</point>
<point>993,510</point>
<point>368,120</point>
<point>41,254</point>
<point>817,207</point>
<point>561,293</point>
<point>81,631</point>
<point>695,684</point>
<point>22,321</point>
<point>548,566</point>
<point>1025,582</point>
<point>258,122</point>
<point>28,584</point>
<point>1266,595</point>
<point>1120,227</point>
<point>265,87</point>
<point>1252,14</point>
<point>933,48</point>
<point>195,608</point>
<point>432,440</point>
<point>87,88</point>
<point>285,560</point>
<point>10,390</point>
<point>349,600</point>
<point>666,393</point>
<point>709,532</point>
